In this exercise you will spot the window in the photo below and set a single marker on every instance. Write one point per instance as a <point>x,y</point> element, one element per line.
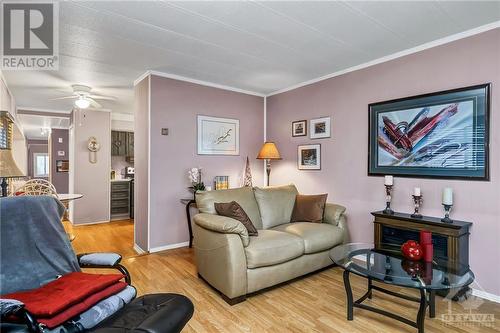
<point>41,164</point>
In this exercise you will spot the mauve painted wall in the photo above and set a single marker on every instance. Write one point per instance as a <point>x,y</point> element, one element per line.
<point>35,146</point>
<point>90,179</point>
<point>141,155</point>
<point>59,179</point>
<point>175,104</point>
<point>345,98</point>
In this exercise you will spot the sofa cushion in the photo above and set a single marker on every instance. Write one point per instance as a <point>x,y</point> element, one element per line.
<point>273,247</point>
<point>275,204</point>
<point>244,196</point>
<point>316,236</point>
<point>233,210</point>
<point>309,208</point>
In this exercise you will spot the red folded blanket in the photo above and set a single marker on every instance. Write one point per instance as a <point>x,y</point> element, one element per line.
<point>64,292</point>
<point>86,304</point>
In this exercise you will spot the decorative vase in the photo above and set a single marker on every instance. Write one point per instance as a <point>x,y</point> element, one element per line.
<point>411,250</point>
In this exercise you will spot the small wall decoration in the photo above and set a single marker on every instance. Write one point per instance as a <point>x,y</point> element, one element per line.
<point>62,166</point>
<point>299,128</point>
<point>93,147</point>
<point>319,128</point>
<point>309,157</point>
<point>439,135</point>
<point>218,136</point>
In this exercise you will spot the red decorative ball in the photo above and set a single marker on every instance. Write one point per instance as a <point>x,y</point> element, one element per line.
<point>412,250</point>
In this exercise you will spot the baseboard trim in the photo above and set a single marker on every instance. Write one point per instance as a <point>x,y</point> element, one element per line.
<point>89,223</point>
<point>139,250</point>
<point>168,247</point>
<point>486,295</point>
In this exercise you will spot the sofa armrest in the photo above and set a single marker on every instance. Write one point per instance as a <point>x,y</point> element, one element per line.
<point>333,213</point>
<point>221,261</point>
<point>222,224</point>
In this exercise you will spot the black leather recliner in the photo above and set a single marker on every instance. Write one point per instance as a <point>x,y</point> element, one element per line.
<point>35,250</point>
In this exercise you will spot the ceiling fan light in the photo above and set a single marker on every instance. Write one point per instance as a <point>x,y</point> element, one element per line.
<point>82,103</point>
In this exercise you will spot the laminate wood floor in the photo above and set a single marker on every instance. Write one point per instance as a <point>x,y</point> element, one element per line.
<point>315,303</point>
<point>115,236</point>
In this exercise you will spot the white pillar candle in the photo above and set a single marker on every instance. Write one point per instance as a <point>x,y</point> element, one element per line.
<point>389,180</point>
<point>447,196</point>
<point>416,191</point>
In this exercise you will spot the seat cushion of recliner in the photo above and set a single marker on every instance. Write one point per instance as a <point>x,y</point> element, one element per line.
<point>317,237</point>
<point>155,313</point>
<point>273,247</point>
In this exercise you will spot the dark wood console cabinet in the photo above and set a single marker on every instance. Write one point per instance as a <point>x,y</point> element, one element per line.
<point>451,240</point>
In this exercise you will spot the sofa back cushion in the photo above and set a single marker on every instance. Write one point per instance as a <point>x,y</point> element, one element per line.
<point>275,204</point>
<point>244,196</point>
<point>309,208</point>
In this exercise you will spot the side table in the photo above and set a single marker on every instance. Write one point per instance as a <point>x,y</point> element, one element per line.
<point>189,203</point>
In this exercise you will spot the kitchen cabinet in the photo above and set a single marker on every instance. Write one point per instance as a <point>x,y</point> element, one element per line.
<point>130,144</point>
<point>120,199</point>
<point>122,143</point>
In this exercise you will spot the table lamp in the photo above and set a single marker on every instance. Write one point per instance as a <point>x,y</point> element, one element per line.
<point>269,152</point>
<point>8,167</point>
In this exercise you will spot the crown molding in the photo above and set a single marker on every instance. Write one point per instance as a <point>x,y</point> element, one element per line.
<point>21,109</point>
<point>200,82</point>
<point>142,77</point>
<point>422,47</point>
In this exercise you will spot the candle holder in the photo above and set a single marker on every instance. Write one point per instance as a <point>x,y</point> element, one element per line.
<point>417,200</point>
<point>446,218</point>
<point>388,198</point>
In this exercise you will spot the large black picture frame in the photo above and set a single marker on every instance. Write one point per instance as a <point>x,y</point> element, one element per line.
<point>420,136</point>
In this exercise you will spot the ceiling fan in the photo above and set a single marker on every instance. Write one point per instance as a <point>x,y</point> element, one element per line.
<point>84,98</point>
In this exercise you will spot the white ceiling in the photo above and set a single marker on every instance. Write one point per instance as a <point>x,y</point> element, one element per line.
<point>255,46</point>
<point>38,126</point>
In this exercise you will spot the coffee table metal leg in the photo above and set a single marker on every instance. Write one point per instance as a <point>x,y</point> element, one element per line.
<point>348,292</point>
<point>421,311</point>
<point>432,304</point>
<point>369,288</point>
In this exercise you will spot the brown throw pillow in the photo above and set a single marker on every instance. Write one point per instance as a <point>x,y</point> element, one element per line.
<point>309,208</point>
<point>233,210</point>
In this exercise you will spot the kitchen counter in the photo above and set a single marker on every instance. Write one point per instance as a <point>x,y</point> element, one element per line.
<point>121,180</point>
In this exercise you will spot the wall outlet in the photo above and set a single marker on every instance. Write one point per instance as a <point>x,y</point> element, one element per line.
<point>164,131</point>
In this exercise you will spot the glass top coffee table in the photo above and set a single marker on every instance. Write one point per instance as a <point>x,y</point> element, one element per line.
<point>391,268</point>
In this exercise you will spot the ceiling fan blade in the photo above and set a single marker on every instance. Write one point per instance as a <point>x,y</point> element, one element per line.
<point>65,97</point>
<point>94,103</point>
<point>107,98</point>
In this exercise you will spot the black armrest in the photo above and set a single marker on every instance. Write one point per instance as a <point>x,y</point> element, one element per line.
<point>104,260</point>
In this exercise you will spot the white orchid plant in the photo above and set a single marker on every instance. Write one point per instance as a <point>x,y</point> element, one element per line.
<point>195,179</point>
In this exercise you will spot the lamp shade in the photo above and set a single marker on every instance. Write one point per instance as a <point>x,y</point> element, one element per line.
<point>269,151</point>
<point>8,167</point>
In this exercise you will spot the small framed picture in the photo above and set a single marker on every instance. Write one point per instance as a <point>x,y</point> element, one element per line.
<point>319,128</point>
<point>309,157</point>
<point>299,128</point>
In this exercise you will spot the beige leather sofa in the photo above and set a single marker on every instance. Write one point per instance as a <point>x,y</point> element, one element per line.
<point>237,264</point>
